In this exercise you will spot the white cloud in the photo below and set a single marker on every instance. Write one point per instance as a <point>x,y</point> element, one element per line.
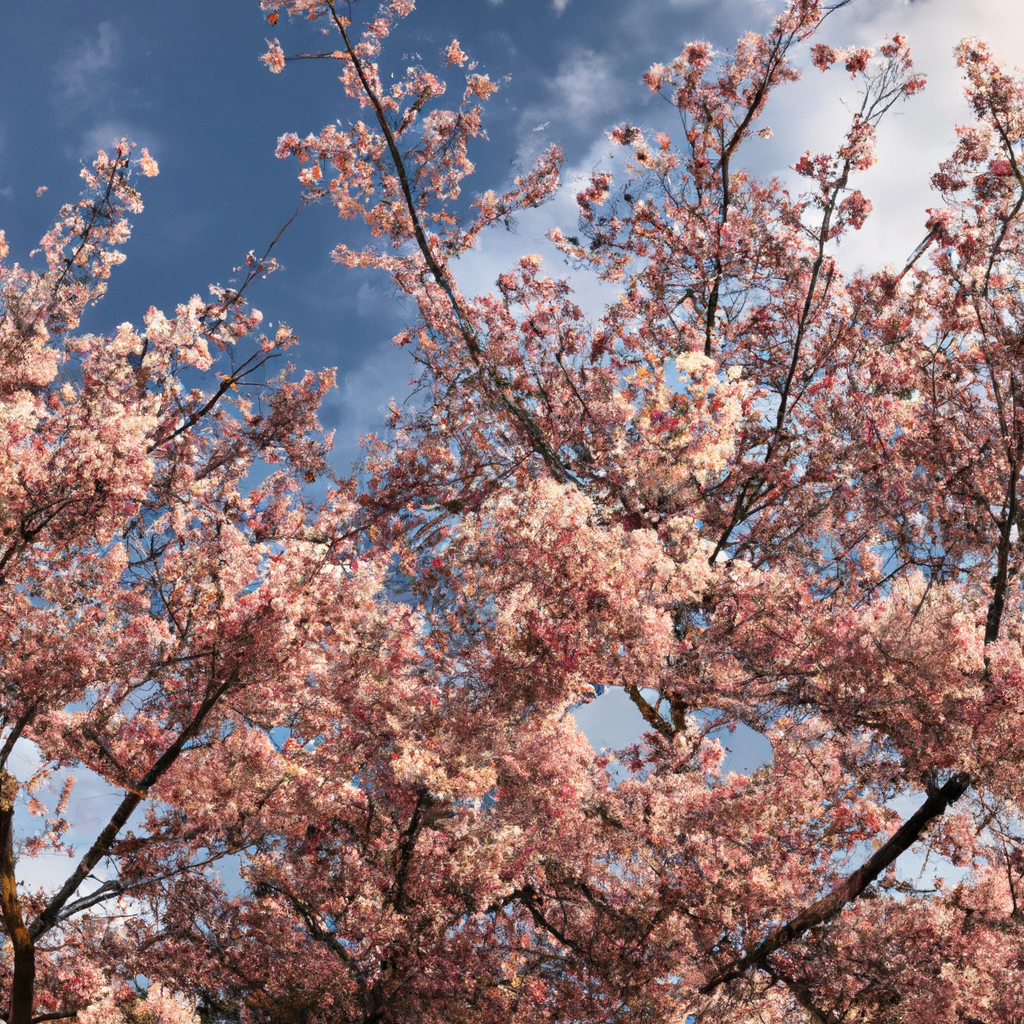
<point>371,297</point>
<point>581,87</point>
<point>104,135</point>
<point>498,250</point>
<point>915,136</point>
<point>590,92</point>
<point>88,89</point>
<point>360,404</point>
<point>582,98</point>
<point>84,72</point>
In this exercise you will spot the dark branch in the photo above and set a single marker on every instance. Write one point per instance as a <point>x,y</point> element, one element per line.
<point>830,905</point>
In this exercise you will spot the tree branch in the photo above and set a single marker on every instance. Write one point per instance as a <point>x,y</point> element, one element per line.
<point>830,905</point>
<point>538,442</point>
<point>50,915</point>
<point>651,716</point>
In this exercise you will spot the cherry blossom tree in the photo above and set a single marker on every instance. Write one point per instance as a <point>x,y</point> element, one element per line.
<point>156,605</point>
<point>756,490</point>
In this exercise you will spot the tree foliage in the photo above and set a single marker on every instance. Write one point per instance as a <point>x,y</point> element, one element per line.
<point>755,490</point>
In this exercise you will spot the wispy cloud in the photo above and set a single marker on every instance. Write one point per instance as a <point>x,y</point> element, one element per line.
<point>104,135</point>
<point>93,96</point>
<point>360,404</point>
<point>85,73</point>
<point>916,135</point>
<point>573,100</point>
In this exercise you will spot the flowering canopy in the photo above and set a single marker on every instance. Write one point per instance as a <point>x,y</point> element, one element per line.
<point>755,491</point>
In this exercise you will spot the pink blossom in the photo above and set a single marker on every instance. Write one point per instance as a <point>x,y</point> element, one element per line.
<point>148,165</point>
<point>454,54</point>
<point>274,57</point>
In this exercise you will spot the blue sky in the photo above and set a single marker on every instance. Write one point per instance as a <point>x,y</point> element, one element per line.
<point>185,80</point>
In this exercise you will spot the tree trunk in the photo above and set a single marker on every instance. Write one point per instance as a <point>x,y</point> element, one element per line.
<point>23,985</point>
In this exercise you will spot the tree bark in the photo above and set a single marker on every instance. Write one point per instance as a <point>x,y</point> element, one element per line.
<point>23,984</point>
